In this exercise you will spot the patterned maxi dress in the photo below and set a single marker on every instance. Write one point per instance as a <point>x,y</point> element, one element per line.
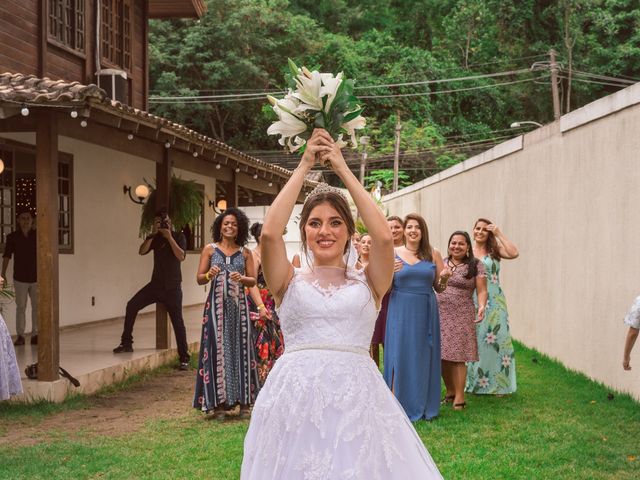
<point>457,316</point>
<point>495,372</point>
<point>267,334</point>
<point>226,365</point>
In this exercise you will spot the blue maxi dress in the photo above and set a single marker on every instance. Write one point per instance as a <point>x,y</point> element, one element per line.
<point>412,341</point>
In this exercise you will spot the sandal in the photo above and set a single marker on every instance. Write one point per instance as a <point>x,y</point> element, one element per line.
<point>460,406</point>
<point>447,399</point>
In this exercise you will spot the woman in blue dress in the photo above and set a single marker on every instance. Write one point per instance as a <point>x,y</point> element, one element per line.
<point>227,373</point>
<point>412,337</point>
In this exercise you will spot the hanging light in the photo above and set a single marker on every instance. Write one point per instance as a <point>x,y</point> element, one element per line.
<point>24,111</point>
<point>271,184</point>
<point>167,144</point>
<point>195,154</point>
<point>83,123</point>
<point>237,169</point>
<point>218,166</point>
<point>74,114</point>
<point>130,136</point>
<point>255,176</point>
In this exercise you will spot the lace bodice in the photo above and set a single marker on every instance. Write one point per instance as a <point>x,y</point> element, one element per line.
<point>324,306</point>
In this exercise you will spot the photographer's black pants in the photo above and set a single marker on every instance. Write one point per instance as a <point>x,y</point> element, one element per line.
<point>172,300</point>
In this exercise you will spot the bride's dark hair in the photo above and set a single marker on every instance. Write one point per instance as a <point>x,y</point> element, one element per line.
<point>338,202</point>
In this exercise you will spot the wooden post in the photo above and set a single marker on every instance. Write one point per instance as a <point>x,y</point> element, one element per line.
<point>554,84</point>
<point>163,179</point>
<point>232,201</point>
<point>396,156</point>
<point>47,242</point>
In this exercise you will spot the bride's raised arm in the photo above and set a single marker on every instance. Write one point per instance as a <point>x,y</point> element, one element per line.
<point>380,269</point>
<point>275,265</point>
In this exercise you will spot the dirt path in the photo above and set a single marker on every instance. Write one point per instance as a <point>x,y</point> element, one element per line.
<point>161,395</point>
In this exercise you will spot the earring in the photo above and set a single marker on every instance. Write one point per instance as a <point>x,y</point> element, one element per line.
<point>467,253</point>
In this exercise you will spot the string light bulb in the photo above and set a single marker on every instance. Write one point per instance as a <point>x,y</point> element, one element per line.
<point>255,176</point>
<point>217,166</point>
<point>130,136</point>
<point>237,169</point>
<point>271,184</point>
<point>195,154</point>
<point>74,114</point>
<point>167,144</point>
<point>83,123</point>
<point>24,111</point>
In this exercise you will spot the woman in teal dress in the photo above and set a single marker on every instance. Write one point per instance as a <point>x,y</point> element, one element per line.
<point>412,337</point>
<point>495,371</point>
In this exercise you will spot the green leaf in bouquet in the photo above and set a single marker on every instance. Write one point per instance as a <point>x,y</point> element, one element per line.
<point>319,122</point>
<point>350,116</point>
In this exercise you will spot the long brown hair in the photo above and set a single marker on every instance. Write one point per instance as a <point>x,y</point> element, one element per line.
<point>425,251</point>
<point>492,243</point>
<point>336,201</point>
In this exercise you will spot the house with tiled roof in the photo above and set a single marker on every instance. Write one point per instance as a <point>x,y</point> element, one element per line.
<point>76,139</point>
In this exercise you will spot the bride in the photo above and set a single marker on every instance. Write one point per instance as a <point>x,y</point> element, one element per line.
<point>325,412</point>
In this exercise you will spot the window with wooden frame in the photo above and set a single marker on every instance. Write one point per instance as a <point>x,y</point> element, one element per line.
<point>66,23</point>
<point>18,191</point>
<point>194,233</point>
<point>116,32</point>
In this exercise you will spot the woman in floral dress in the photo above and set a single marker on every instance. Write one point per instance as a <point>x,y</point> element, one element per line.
<point>227,373</point>
<point>267,333</point>
<point>458,316</point>
<point>495,372</point>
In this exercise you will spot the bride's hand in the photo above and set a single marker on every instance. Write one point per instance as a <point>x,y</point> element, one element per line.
<point>320,143</point>
<point>334,158</point>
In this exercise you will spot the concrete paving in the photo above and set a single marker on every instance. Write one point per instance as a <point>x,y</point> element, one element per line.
<point>86,352</point>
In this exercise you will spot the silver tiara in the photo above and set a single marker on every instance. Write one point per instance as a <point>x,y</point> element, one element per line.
<point>324,188</point>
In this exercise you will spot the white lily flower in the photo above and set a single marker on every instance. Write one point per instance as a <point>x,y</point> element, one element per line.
<point>308,91</point>
<point>289,125</point>
<point>330,86</point>
<point>351,126</point>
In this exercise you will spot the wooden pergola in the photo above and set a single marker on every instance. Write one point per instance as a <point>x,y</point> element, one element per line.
<point>98,120</point>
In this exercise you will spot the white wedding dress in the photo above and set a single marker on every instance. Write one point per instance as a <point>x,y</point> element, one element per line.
<point>325,412</point>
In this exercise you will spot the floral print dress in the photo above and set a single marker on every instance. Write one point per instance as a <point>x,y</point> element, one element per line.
<point>267,334</point>
<point>495,372</point>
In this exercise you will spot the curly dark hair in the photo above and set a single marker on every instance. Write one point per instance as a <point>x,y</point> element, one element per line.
<point>256,231</point>
<point>243,226</point>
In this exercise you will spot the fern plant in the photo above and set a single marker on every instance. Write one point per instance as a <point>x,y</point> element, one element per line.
<point>185,205</point>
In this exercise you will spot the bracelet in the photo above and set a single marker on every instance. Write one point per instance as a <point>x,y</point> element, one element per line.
<point>262,307</point>
<point>207,276</point>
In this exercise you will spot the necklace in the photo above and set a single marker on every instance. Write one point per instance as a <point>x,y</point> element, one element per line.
<point>453,265</point>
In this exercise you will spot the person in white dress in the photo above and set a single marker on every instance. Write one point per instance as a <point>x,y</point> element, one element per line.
<point>325,412</point>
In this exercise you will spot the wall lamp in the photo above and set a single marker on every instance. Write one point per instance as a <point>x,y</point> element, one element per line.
<point>525,122</point>
<point>141,192</point>
<point>220,207</point>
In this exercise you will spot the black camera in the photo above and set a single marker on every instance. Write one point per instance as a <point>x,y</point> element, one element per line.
<point>164,221</point>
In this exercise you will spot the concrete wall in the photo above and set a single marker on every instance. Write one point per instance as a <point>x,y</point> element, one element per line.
<point>105,263</point>
<point>567,194</point>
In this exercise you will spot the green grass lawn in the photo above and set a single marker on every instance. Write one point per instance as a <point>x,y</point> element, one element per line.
<point>558,425</point>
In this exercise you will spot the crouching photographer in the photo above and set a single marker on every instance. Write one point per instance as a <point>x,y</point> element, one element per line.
<point>165,285</point>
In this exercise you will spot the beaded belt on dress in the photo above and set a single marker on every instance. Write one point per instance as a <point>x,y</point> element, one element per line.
<point>337,348</point>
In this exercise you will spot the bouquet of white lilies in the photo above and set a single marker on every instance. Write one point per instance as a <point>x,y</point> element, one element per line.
<point>316,100</point>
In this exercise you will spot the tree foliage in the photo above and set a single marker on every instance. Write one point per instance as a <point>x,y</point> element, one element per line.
<point>242,46</point>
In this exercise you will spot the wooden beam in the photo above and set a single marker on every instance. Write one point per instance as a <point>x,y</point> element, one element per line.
<point>42,39</point>
<point>259,185</point>
<point>163,179</point>
<point>47,241</point>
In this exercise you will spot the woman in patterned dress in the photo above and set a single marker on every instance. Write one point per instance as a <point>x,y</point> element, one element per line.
<point>495,372</point>
<point>264,319</point>
<point>10,383</point>
<point>227,373</point>
<point>458,316</point>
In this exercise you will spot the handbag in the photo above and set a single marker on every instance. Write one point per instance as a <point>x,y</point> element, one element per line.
<point>31,371</point>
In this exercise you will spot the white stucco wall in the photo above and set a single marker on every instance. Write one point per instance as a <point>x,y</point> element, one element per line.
<point>569,200</point>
